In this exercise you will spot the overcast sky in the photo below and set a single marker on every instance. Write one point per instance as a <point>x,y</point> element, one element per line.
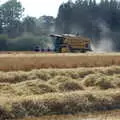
<point>38,8</point>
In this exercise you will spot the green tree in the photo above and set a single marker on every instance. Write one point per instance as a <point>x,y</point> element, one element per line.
<point>11,13</point>
<point>3,42</point>
<point>64,18</point>
<point>29,24</point>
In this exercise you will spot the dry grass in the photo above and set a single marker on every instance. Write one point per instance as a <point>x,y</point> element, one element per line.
<point>28,61</point>
<point>109,115</point>
<point>25,92</point>
<point>38,82</point>
<point>59,91</point>
<point>70,86</point>
<point>62,103</point>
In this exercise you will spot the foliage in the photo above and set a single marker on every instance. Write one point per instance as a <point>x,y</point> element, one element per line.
<point>97,21</point>
<point>25,42</point>
<point>11,13</point>
<point>3,42</point>
<point>24,33</point>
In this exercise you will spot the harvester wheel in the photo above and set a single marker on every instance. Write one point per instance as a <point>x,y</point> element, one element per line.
<point>83,51</point>
<point>65,50</point>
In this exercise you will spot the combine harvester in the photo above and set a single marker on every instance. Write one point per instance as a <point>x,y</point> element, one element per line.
<point>69,43</point>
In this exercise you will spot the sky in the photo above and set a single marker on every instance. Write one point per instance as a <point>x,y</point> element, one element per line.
<point>37,8</point>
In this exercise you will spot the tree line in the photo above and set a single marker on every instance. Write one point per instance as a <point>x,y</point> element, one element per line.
<point>97,21</point>
<point>23,33</point>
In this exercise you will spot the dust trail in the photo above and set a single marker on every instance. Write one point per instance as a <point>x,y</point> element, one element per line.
<point>106,43</point>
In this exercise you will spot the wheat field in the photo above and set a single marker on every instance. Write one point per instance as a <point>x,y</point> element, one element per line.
<point>37,84</point>
<point>26,61</point>
<point>58,91</point>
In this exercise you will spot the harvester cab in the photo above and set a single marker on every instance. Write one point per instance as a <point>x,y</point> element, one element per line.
<point>70,43</point>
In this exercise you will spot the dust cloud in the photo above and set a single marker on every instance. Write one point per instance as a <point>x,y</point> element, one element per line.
<point>105,43</point>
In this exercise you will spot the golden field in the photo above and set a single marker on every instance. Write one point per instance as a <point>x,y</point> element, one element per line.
<point>12,61</point>
<point>37,84</point>
<point>58,91</point>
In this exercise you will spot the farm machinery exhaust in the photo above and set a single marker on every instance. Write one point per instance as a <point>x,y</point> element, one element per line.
<point>68,43</point>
